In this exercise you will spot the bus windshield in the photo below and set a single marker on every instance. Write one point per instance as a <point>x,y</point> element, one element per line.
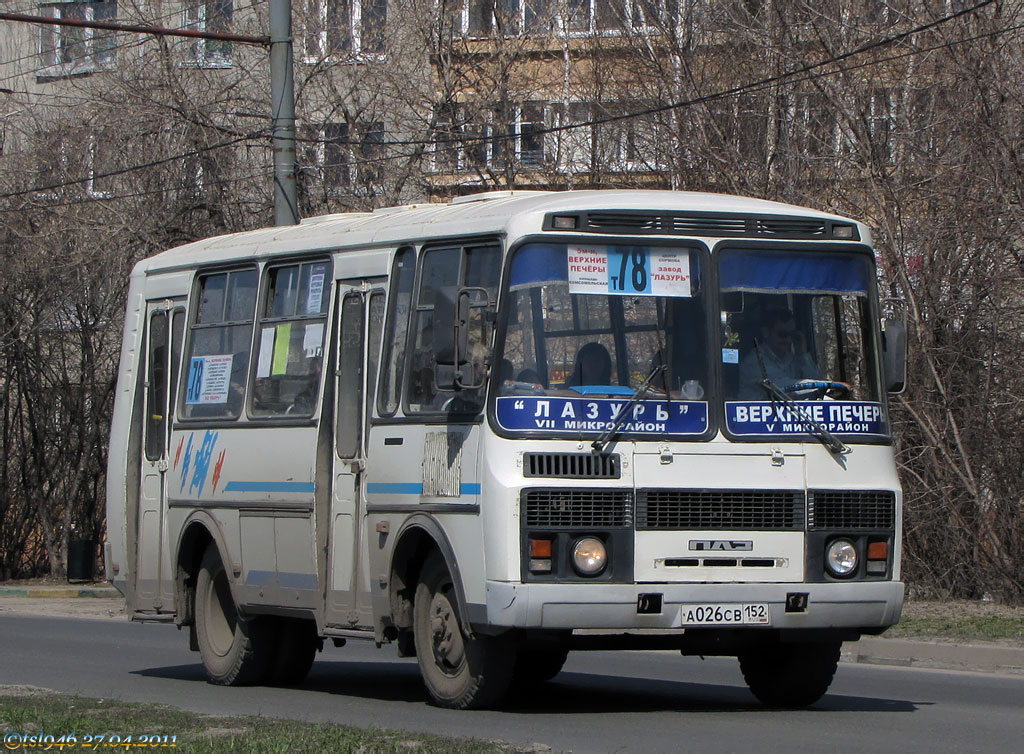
<point>586,326</point>
<point>797,324</point>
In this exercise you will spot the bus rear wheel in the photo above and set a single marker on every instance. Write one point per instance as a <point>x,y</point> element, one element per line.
<point>537,663</point>
<point>235,649</point>
<point>791,675</point>
<point>296,646</point>
<point>460,671</point>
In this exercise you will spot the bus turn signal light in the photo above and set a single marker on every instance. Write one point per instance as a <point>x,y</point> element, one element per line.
<point>540,556</point>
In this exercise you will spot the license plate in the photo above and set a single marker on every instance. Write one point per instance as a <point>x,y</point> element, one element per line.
<point>725,615</point>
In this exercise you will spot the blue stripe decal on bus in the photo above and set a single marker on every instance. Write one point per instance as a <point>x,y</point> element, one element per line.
<point>412,488</point>
<point>270,487</point>
<point>394,488</point>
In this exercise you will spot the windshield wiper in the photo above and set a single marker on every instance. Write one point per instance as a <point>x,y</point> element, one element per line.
<point>599,444</point>
<point>817,430</point>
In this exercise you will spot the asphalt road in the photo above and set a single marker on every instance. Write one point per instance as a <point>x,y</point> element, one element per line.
<point>602,702</point>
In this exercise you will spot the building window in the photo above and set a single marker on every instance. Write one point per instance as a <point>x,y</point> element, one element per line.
<point>327,154</point>
<point>102,161</point>
<point>468,139</point>
<point>336,28</point>
<point>345,158</point>
<point>511,17</point>
<point>881,122</point>
<point>210,16</point>
<point>610,16</point>
<point>73,50</point>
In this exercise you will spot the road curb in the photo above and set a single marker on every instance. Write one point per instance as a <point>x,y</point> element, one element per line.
<point>938,655</point>
<point>58,592</point>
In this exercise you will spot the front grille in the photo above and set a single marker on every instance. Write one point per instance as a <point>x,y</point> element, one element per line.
<point>720,509</point>
<point>851,509</point>
<point>566,508</point>
<point>571,465</point>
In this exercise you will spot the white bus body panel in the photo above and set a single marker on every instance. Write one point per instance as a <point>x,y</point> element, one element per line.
<point>259,491</point>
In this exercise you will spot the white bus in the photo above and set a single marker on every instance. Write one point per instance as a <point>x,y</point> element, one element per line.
<point>500,429</point>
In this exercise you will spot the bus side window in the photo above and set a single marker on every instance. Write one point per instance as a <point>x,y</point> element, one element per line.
<point>350,376</point>
<point>156,400</point>
<point>376,331</point>
<point>219,345</point>
<point>291,340</point>
<point>445,270</point>
<point>393,355</point>
<point>440,272</point>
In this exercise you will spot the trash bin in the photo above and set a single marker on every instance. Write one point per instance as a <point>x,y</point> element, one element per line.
<point>81,559</point>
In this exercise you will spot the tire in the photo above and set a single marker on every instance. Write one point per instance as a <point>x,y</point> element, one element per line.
<point>790,675</point>
<point>296,645</point>
<point>460,672</point>
<point>235,650</point>
<point>538,665</point>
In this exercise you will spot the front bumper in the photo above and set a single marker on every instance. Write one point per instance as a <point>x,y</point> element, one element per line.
<point>870,606</point>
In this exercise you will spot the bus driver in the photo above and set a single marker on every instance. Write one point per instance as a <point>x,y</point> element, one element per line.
<point>780,355</point>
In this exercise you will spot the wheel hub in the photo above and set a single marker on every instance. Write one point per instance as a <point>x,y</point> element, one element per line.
<point>446,637</point>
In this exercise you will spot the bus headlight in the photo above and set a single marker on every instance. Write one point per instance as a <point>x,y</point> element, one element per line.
<point>589,556</point>
<point>841,557</point>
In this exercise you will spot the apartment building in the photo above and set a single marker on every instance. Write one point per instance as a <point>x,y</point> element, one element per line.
<point>405,99</point>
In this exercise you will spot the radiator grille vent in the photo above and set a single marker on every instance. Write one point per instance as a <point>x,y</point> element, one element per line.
<point>720,509</point>
<point>851,509</point>
<point>571,465</point>
<point>613,220</point>
<point>723,224</point>
<point>790,227</point>
<point>565,508</point>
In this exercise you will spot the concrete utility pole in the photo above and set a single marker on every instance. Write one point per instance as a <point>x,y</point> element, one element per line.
<point>282,96</point>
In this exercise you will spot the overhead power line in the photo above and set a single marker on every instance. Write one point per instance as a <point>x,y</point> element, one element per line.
<point>158,31</point>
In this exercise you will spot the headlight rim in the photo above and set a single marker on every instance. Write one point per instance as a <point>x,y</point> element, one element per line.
<point>830,566</point>
<point>575,556</point>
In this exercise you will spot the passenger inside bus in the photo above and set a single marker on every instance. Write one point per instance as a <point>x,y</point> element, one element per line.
<point>593,366</point>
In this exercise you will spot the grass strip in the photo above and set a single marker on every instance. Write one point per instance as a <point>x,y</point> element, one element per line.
<point>987,629</point>
<point>26,711</point>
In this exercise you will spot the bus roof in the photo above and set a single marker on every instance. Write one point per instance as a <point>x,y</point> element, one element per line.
<point>498,212</point>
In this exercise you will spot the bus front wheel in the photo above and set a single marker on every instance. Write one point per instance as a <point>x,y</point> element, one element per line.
<point>235,649</point>
<point>460,671</point>
<point>791,675</point>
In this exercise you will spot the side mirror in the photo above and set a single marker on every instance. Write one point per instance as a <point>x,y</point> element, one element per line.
<point>453,318</point>
<point>446,336</point>
<point>894,355</point>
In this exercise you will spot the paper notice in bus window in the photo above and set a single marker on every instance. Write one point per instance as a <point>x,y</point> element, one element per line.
<point>266,353</point>
<point>312,340</point>
<point>209,378</point>
<point>279,365</point>
<point>670,273</point>
<point>588,269</point>
<point>316,291</point>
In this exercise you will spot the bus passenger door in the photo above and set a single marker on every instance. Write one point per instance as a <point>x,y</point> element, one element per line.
<point>361,315</point>
<point>165,326</point>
